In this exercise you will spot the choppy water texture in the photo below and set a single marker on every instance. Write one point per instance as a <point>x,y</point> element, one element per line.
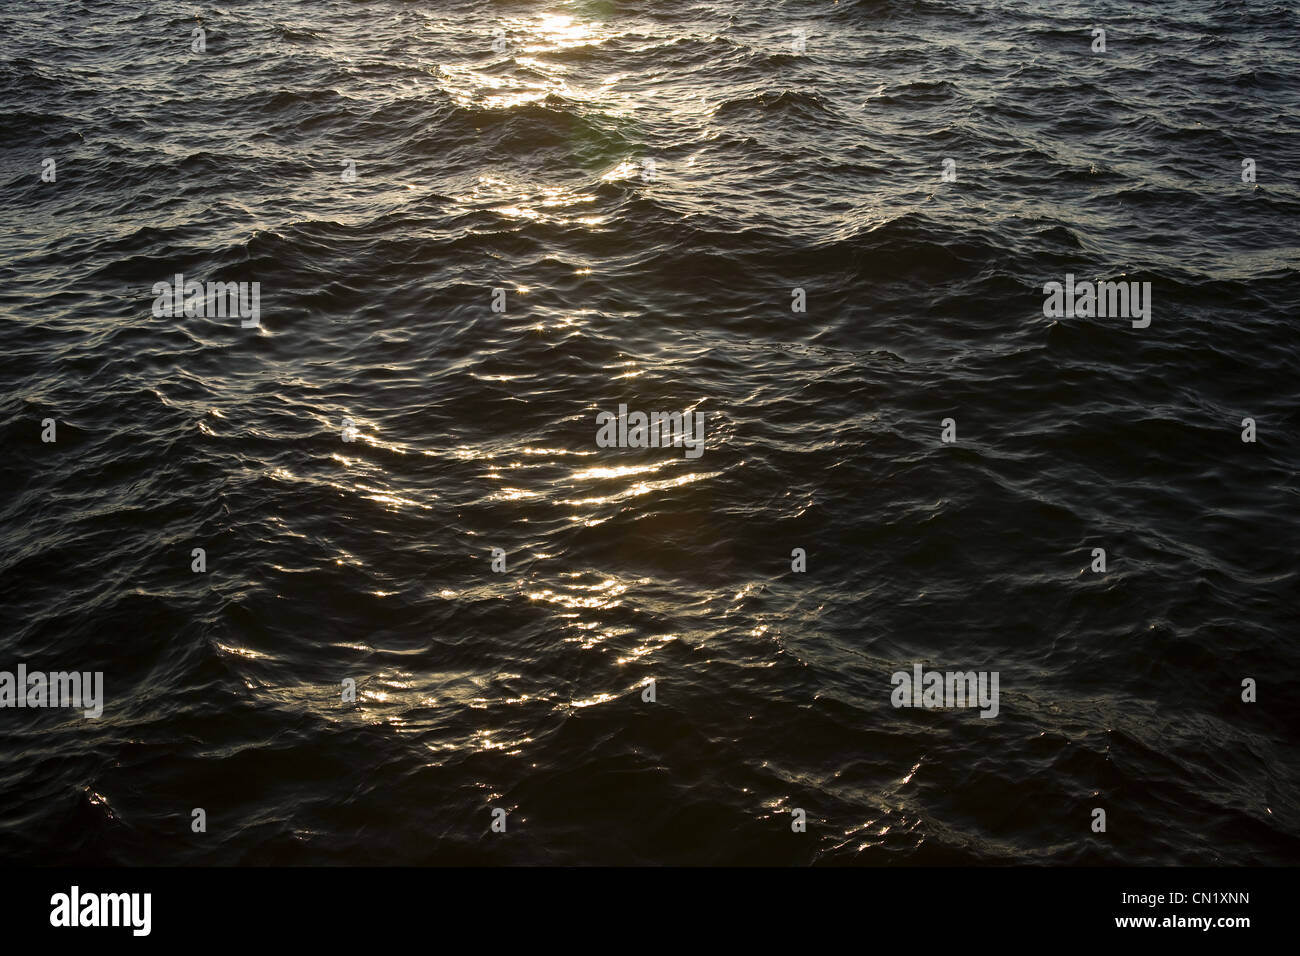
<point>664,285</point>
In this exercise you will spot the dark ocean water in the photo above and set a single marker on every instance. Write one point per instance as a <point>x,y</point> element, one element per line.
<point>648,182</point>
